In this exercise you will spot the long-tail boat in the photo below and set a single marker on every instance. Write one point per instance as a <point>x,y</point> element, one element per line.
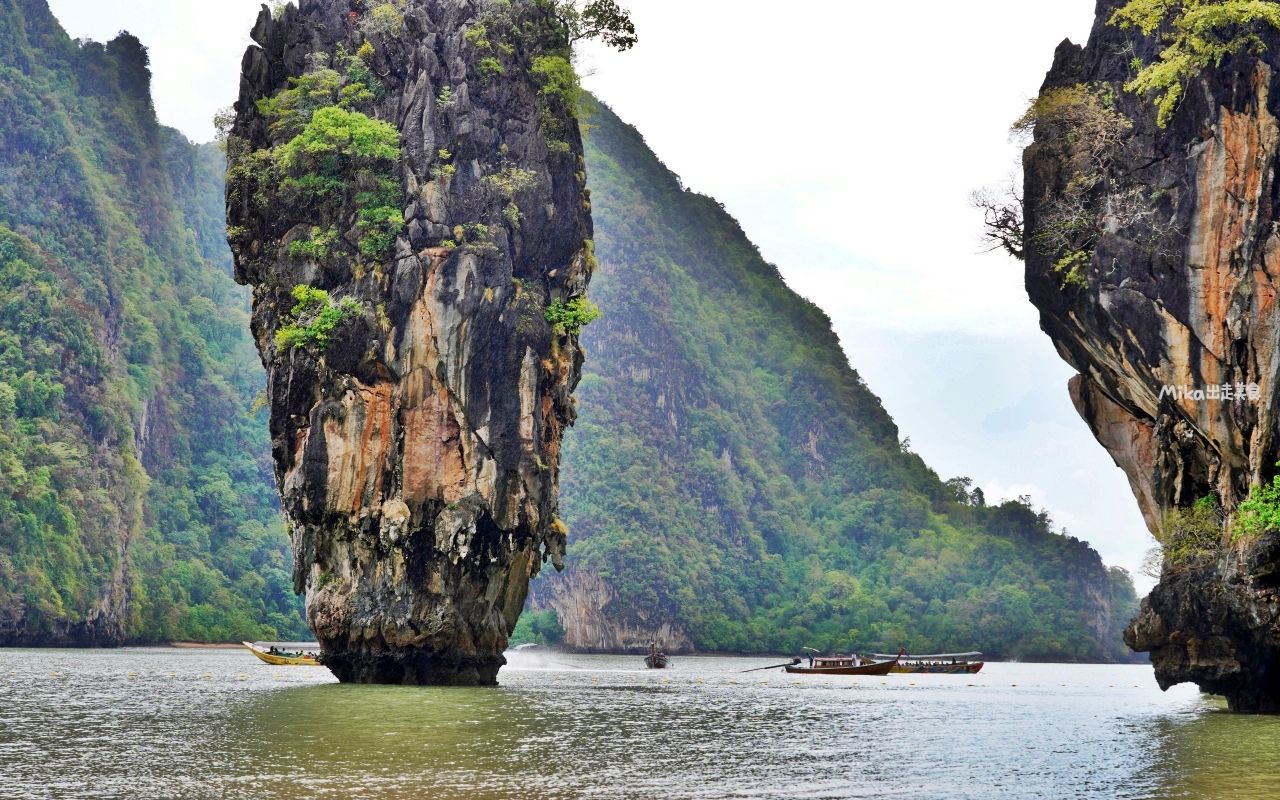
<point>938,663</point>
<point>280,658</point>
<point>845,665</point>
<point>656,660</point>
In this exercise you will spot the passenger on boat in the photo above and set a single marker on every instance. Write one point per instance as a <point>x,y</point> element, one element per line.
<point>810,660</point>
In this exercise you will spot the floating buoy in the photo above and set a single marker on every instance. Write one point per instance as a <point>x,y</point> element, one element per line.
<point>208,676</point>
<point>53,674</point>
<point>131,675</point>
<point>170,674</point>
<point>882,683</point>
<point>731,681</point>
<point>971,684</point>
<point>664,680</point>
<point>797,683</point>
<point>699,680</point>
<point>911,684</point>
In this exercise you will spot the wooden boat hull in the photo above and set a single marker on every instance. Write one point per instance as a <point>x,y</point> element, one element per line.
<point>281,661</point>
<point>940,669</point>
<point>659,662</point>
<point>879,668</point>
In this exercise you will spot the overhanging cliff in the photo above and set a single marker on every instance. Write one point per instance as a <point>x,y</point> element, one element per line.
<point>406,196</point>
<point>1153,255</point>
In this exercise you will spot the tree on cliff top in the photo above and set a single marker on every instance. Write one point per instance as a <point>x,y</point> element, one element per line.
<point>597,19</point>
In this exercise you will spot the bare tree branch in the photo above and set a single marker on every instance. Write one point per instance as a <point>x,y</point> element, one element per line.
<point>1001,218</point>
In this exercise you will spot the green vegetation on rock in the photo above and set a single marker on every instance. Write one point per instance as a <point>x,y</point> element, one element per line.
<point>1083,125</point>
<point>136,499</point>
<point>325,150</point>
<point>313,318</point>
<point>571,317</point>
<point>730,475</point>
<point>1260,513</point>
<point>1192,537</point>
<point>1200,33</point>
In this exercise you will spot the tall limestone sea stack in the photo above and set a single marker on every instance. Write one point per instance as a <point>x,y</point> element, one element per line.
<point>406,196</point>
<point>1153,255</point>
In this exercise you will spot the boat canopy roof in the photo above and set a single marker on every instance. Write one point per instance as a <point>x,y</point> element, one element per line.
<point>935,656</point>
<point>288,645</point>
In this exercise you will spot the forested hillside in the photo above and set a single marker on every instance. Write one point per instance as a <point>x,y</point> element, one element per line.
<point>732,484</point>
<point>136,498</point>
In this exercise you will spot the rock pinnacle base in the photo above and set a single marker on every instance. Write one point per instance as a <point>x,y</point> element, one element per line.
<point>412,667</point>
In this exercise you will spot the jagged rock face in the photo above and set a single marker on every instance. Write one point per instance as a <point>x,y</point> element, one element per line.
<point>1181,295</point>
<point>418,453</point>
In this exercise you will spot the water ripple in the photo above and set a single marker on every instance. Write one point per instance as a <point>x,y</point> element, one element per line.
<point>218,724</point>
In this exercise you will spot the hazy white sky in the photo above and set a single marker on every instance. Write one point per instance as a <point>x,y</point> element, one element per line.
<point>845,135</point>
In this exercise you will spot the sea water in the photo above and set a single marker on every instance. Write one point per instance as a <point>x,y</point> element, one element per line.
<point>179,723</point>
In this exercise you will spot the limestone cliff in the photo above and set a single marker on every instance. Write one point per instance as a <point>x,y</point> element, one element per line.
<point>1167,308</point>
<point>418,401</point>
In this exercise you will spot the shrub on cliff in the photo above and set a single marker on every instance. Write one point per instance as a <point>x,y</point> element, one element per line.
<point>312,318</point>
<point>1192,537</point>
<point>326,151</point>
<point>569,318</point>
<point>335,140</point>
<point>1261,512</point>
<point>1083,125</point>
<point>1200,33</point>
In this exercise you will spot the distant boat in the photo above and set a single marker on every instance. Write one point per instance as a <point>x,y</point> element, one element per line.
<point>656,660</point>
<point>282,657</point>
<point>844,665</point>
<point>938,663</point>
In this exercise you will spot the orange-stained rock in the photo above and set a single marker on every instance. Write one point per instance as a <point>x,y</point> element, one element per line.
<point>433,457</point>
